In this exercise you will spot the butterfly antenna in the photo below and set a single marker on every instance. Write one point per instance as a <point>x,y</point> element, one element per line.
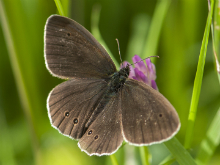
<point>118,48</point>
<point>145,59</point>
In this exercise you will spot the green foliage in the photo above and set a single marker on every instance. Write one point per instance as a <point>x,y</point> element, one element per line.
<point>174,30</point>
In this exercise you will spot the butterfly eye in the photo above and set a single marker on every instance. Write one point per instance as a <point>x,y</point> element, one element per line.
<point>68,34</point>
<point>96,137</point>
<point>66,114</point>
<point>160,115</point>
<point>90,132</point>
<point>75,121</point>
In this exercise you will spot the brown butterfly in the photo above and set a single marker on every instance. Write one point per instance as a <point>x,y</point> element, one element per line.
<point>99,105</point>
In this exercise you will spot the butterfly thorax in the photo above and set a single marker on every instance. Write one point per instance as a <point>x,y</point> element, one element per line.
<point>118,79</point>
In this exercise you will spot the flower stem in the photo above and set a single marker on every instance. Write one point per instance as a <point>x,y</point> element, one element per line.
<point>145,155</point>
<point>114,160</point>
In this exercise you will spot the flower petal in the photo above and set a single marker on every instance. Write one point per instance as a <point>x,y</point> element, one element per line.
<point>151,69</point>
<point>140,65</point>
<point>140,76</point>
<point>154,85</point>
<point>142,72</point>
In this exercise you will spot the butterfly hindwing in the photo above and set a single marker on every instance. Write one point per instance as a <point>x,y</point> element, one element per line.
<point>72,51</point>
<point>147,116</point>
<point>71,103</point>
<point>104,135</point>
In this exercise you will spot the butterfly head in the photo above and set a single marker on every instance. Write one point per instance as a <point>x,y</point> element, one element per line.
<point>124,71</point>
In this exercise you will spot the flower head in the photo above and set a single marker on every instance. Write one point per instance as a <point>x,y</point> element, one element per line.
<point>142,72</point>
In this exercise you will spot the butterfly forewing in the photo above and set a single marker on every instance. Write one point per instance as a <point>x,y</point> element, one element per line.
<point>147,116</point>
<point>71,51</point>
<point>71,104</point>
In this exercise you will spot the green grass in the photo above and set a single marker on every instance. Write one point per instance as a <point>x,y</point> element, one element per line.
<point>198,81</point>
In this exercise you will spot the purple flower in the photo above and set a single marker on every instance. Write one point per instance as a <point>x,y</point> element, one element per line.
<point>142,72</point>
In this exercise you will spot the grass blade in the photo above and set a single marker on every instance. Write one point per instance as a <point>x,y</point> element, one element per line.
<point>155,28</point>
<point>179,152</point>
<point>145,155</point>
<point>210,142</point>
<point>95,31</point>
<point>168,160</point>
<point>216,37</point>
<point>59,7</point>
<point>20,81</point>
<point>139,31</point>
<point>198,81</point>
<point>114,160</point>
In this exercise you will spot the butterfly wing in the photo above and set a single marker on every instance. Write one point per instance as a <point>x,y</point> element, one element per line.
<point>72,51</point>
<point>71,104</point>
<point>147,116</point>
<point>104,137</point>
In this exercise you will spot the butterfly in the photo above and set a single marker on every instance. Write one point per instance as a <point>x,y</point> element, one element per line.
<point>98,105</point>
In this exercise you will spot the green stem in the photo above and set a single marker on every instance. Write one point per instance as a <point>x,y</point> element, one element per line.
<point>95,31</point>
<point>198,81</point>
<point>114,160</point>
<point>59,7</point>
<point>210,142</point>
<point>155,28</point>
<point>20,82</point>
<point>145,155</point>
<point>181,155</point>
<point>168,160</point>
<point>216,36</point>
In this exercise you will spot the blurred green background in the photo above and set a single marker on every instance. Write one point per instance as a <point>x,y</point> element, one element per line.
<point>26,136</point>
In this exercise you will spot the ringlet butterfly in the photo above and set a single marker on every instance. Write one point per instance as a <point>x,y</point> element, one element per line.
<point>99,105</point>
